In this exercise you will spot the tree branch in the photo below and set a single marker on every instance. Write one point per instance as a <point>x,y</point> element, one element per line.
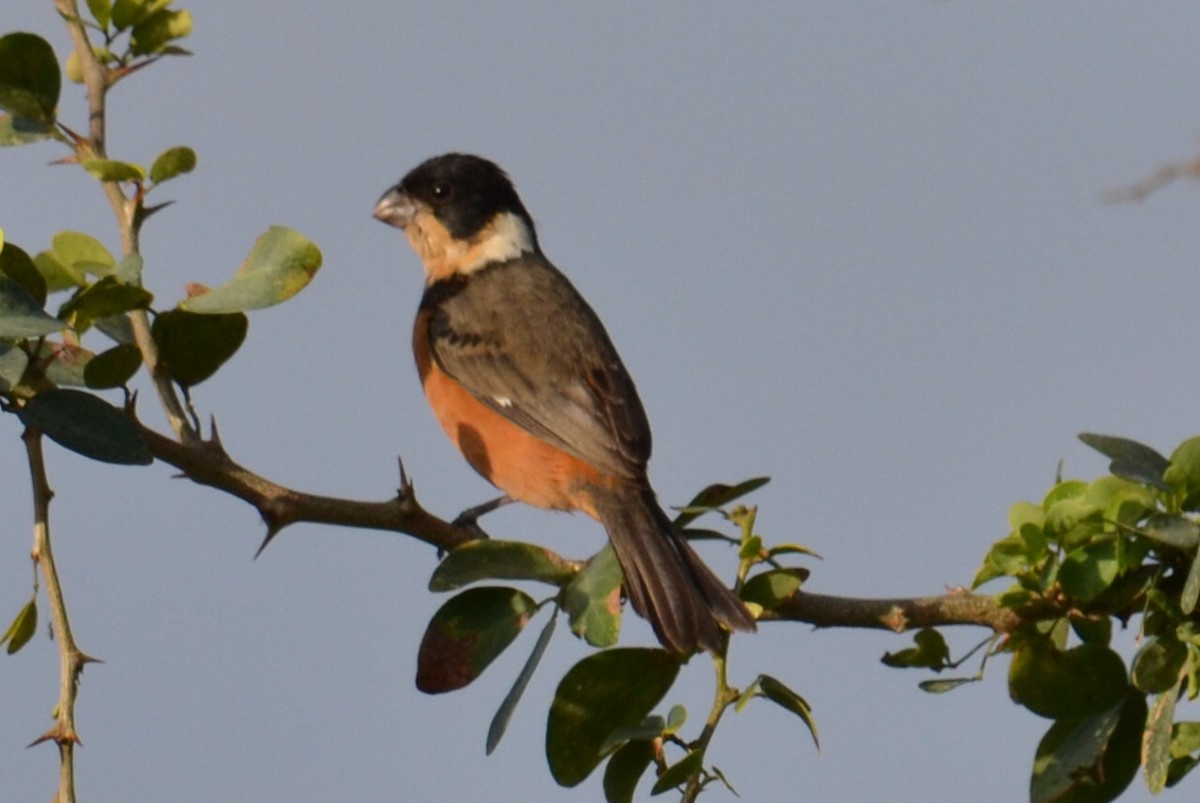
<point>207,463</point>
<point>958,607</point>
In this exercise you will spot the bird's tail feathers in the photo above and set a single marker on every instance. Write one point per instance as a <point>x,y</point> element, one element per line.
<point>666,581</point>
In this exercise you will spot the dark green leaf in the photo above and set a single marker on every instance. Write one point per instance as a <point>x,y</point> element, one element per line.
<point>20,315</point>
<point>104,298</point>
<point>281,264</point>
<point>171,163</point>
<point>112,368</point>
<point>153,33</point>
<point>1092,759</point>
<point>1156,746</point>
<point>23,131</point>
<point>625,769</point>
<point>943,685</point>
<point>467,633</point>
<point>678,773</point>
<point>778,693</point>
<point>592,599</point>
<point>1087,571</point>
<point>715,496</point>
<point>1176,531</point>
<point>930,652</point>
<point>1156,667</point>
<point>1130,460</point>
<point>64,363</point>
<point>1076,683</point>
<point>193,346</point>
<point>772,588</point>
<point>17,265</point>
<point>113,170</point>
<point>504,713</point>
<point>22,628</point>
<point>29,77</point>
<point>88,425</point>
<point>606,690</point>
<point>498,560</point>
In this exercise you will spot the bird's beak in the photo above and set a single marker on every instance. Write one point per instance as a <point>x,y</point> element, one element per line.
<point>395,208</point>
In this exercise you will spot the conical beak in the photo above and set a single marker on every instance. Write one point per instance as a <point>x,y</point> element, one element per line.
<point>395,208</point>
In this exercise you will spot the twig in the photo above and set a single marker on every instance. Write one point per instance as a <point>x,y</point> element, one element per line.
<point>1172,171</point>
<point>71,659</point>
<point>96,79</point>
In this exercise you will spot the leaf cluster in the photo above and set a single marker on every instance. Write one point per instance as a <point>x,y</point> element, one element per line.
<point>603,707</point>
<point>1093,553</point>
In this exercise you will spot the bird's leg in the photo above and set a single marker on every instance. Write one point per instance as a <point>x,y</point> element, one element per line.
<point>469,518</point>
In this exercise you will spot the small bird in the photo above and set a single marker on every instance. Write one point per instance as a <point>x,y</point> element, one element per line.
<point>524,379</point>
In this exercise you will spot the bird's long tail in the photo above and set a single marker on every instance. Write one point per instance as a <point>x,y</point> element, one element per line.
<point>666,581</point>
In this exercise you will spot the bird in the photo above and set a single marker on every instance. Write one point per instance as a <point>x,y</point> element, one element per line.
<point>523,377</point>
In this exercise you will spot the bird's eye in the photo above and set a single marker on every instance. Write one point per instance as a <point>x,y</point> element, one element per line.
<point>441,192</point>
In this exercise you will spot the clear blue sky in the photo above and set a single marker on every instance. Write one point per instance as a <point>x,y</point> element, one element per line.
<point>859,247</point>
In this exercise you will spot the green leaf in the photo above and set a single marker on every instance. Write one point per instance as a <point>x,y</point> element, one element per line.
<point>17,265</point>
<point>715,496</point>
<point>1088,571</point>
<point>468,633</point>
<point>1156,744</point>
<point>23,131</point>
<point>1157,666</point>
<point>84,252</point>
<point>112,170</point>
<point>87,425</point>
<point>127,13</point>
<point>152,34</point>
<point>193,346</point>
<point>29,77</point>
<point>648,729</point>
<point>104,298</point>
<point>607,690</point>
<point>772,588</point>
<point>1079,682</point>
<point>678,773</point>
<point>22,628</point>
<point>171,163</point>
<point>592,599</point>
<point>1092,759</point>
<point>499,560</point>
<point>625,769</point>
<point>778,693</point>
<point>13,362</point>
<point>1130,460</point>
<point>1184,470</point>
<point>930,652</point>
<point>58,275</point>
<point>509,704</point>
<point>281,264</point>
<point>20,315</point>
<point>1191,587</point>
<point>112,368</point>
<point>101,11</point>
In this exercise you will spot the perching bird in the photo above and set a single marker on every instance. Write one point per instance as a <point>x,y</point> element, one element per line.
<point>524,379</point>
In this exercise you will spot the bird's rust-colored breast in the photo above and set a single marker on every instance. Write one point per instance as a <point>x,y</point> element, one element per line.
<point>515,461</point>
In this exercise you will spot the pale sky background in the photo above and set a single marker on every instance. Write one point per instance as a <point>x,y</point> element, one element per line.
<point>858,247</point>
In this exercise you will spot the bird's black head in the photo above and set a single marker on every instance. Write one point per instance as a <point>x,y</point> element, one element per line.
<point>464,192</point>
